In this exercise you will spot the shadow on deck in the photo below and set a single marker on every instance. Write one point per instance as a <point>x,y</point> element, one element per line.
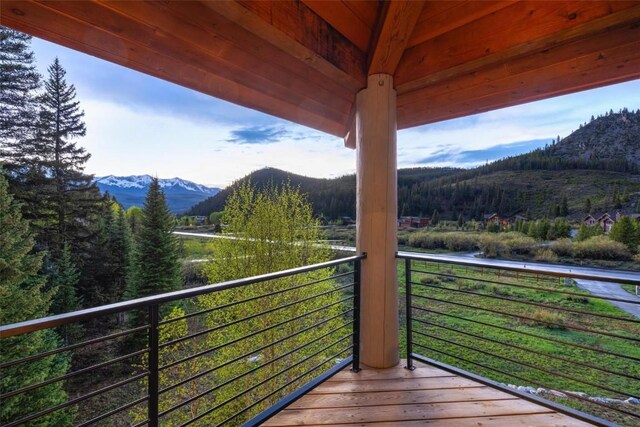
<point>425,396</point>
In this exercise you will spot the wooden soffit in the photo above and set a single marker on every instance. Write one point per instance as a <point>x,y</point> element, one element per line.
<point>305,60</point>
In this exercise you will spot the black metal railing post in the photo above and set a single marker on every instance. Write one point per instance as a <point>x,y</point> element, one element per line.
<point>153,385</point>
<point>408,303</point>
<point>355,367</point>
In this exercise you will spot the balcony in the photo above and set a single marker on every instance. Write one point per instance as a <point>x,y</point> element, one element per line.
<point>487,342</point>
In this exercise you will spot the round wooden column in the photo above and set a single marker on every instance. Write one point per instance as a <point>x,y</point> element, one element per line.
<point>377,220</point>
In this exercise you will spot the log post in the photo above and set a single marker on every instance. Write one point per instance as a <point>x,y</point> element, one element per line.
<point>377,220</point>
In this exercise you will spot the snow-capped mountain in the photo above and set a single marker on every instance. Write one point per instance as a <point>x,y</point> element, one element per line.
<point>131,190</point>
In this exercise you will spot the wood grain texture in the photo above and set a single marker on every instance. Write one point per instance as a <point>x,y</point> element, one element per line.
<point>524,27</point>
<point>344,19</point>
<point>376,213</point>
<point>407,402</point>
<point>396,26</point>
<point>297,22</point>
<point>525,420</point>
<point>607,58</point>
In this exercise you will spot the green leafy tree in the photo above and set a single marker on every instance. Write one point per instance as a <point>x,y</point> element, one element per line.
<point>626,231</point>
<point>155,267</point>
<point>134,216</point>
<point>23,296</point>
<point>585,232</point>
<point>276,230</point>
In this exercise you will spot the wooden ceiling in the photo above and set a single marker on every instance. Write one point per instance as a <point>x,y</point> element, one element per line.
<point>305,60</point>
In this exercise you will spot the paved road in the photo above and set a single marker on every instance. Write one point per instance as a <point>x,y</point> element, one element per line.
<point>612,290</point>
<point>607,289</point>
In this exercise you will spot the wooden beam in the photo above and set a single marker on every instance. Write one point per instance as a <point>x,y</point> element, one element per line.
<point>439,17</point>
<point>340,16</point>
<point>42,20</point>
<point>296,29</point>
<point>162,30</point>
<point>396,26</point>
<point>522,28</point>
<point>612,56</point>
<point>376,229</point>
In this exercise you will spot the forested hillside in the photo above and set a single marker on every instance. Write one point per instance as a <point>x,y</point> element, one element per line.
<point>594,168</point>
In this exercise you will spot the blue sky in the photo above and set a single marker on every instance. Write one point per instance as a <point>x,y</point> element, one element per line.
<point>137,124</point>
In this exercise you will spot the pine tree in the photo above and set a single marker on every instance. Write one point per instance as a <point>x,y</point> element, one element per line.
<point>564,206</point>
<point>587,206</point>
<point>119,249</point>
<point>22,288</point>
<point>156,268</point>
<point>435,218</point>
<point>64,281</point>
<point>19,83</point>
<point>69,195</point>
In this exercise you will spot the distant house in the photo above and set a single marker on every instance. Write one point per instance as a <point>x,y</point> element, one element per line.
<point>496,219</point>
<point>413,222</point>
<point>606,222</point>
<point>589,221</point>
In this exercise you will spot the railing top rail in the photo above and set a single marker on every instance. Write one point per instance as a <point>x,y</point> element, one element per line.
<point>587,273</point>
<point>75,316</point>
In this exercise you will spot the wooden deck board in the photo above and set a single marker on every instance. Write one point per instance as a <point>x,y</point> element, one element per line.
<point>426,396</point>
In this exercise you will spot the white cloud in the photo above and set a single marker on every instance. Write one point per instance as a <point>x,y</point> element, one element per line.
<point>124,141</point>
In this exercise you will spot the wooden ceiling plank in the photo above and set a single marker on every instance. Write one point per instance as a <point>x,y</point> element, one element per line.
<point>597,69</point>
<point>516,30</point>
<point>294,28</point>
<point>397,24</point>
<point>253,45</point>
<point>36,19</point>
<point>489,77</point>
<point>344,20</point>
<point>434,20</point>
<point>366,10</point>
<point>171,37</point>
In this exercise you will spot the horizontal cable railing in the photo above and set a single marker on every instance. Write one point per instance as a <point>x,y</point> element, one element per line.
<point>538,331</point>
<point>224,354</point>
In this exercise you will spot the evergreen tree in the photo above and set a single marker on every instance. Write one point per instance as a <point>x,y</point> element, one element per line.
<point>119,249</point>
<point>24,298</point>
<point>587,206</point>
<point>435,218</point>
<point>64,281</point>
<point>19,82</point>
<point>156,268</point>
<point>564,206</point>
<point>69,195</point>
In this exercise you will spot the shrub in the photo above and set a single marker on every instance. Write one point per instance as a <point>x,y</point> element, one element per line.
<point>545,255</point>
<point>491,245</point>
<point>562,247</point>
<point>548,319</point>
<point>601,247</point>
<point>427,240</point>
<point>430,280</point>
<point>519,244</point>
<point>461,242</point>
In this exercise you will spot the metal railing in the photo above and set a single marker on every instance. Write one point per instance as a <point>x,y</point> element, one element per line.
<point>535,331</point>
<point>224,354</point>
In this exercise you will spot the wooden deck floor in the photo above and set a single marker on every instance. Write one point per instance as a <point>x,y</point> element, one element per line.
<point>426,396</point>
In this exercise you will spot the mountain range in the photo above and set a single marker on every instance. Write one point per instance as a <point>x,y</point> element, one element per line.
<point>600,161</point>
<point>131,191</point>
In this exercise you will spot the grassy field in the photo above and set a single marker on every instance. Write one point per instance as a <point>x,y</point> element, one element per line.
<point>469,320</point>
